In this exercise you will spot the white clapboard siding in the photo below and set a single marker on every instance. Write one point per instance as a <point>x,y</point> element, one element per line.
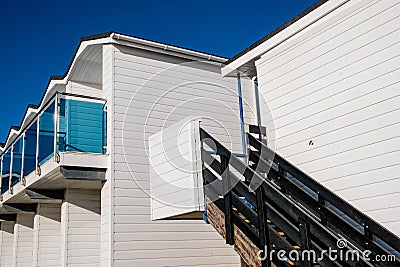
<point>81,88</point>
<point>336,84</point>
<point>24,239</point>
<point>176,183</point>
<point>81,225</point>
<point>152,92</point>
<point>7,243</point>
<point>47,235</point>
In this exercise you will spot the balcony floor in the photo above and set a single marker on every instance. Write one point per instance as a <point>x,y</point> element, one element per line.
<point>68,173</point>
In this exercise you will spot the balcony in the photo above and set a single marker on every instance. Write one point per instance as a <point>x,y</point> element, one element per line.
<point>64,145</point>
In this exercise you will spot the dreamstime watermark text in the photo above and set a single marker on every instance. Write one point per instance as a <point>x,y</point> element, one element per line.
<point>333,254</point>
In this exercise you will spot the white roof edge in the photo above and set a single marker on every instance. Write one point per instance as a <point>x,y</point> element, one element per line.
<point>283,35</point>
<point>171,48</point>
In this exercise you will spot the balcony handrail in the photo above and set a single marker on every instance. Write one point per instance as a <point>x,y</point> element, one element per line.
<point>39,133</point>
<point>44,107</point>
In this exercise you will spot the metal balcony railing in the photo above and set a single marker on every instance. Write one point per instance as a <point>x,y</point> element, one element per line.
<point>66,123</point>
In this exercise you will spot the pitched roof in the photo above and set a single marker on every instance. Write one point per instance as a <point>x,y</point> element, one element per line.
<point>277,30</point>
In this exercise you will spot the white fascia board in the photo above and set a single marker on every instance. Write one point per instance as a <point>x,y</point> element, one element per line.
<point>31,112</point>
<point>50,90</point>
<point>11,137</point>
<point>284,35</point>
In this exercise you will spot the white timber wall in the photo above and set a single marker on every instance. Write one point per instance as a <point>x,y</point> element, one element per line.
<point>7,243</point>
<point>81,88</point>
<point>336,84</point>
<point>47,235</point>
<point>153,91</point>
<point>23,240</point>
<point>81,227</point>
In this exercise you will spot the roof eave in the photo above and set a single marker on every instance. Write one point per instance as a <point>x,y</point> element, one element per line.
<point>281,34</point>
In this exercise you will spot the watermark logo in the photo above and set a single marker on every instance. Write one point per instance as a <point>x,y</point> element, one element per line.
<point>341,243</point>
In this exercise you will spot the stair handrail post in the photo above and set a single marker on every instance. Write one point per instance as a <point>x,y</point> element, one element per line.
<point>304,231</point>
<point>263,227</point>
<point>282,173</point>
<point>369,236</point>
<point>229,225</point>
<point>322,203</point>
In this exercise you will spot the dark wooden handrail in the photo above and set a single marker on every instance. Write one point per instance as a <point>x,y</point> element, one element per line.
<point>299,223</point>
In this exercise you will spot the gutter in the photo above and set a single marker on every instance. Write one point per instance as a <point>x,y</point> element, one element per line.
<point>165,47</point>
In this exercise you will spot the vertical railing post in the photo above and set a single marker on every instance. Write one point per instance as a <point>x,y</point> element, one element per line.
<point>38,172</point>
<point>22,180</point>
<point>304,230</point>
<point>1,174</point>
<point>11,170</point>
<point>263,227</point>
<point>56,118</point>
<point>229,229</point>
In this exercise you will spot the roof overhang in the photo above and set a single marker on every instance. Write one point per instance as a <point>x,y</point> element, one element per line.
<point>163,48</point>
<point>245,60</point>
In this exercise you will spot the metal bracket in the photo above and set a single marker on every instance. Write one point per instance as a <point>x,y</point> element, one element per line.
<point>44,194</point>
<point>57,157</point>
<point>38,171</point>
<point>8,217</point>
<point>19,207</point>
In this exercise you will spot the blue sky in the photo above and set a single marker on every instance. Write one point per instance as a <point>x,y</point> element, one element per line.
<point>38,38</point>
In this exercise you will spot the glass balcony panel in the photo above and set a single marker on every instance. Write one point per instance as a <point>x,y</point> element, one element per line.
<point>46,134</point>
<point>81,126</point>
<point>5,172</point>
<point>17,162</point>
<point>30,149</point>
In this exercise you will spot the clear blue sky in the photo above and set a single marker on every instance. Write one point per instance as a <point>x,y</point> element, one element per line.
<point>38,38</point>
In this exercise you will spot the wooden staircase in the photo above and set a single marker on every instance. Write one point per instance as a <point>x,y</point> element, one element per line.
<point>270,205</point>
